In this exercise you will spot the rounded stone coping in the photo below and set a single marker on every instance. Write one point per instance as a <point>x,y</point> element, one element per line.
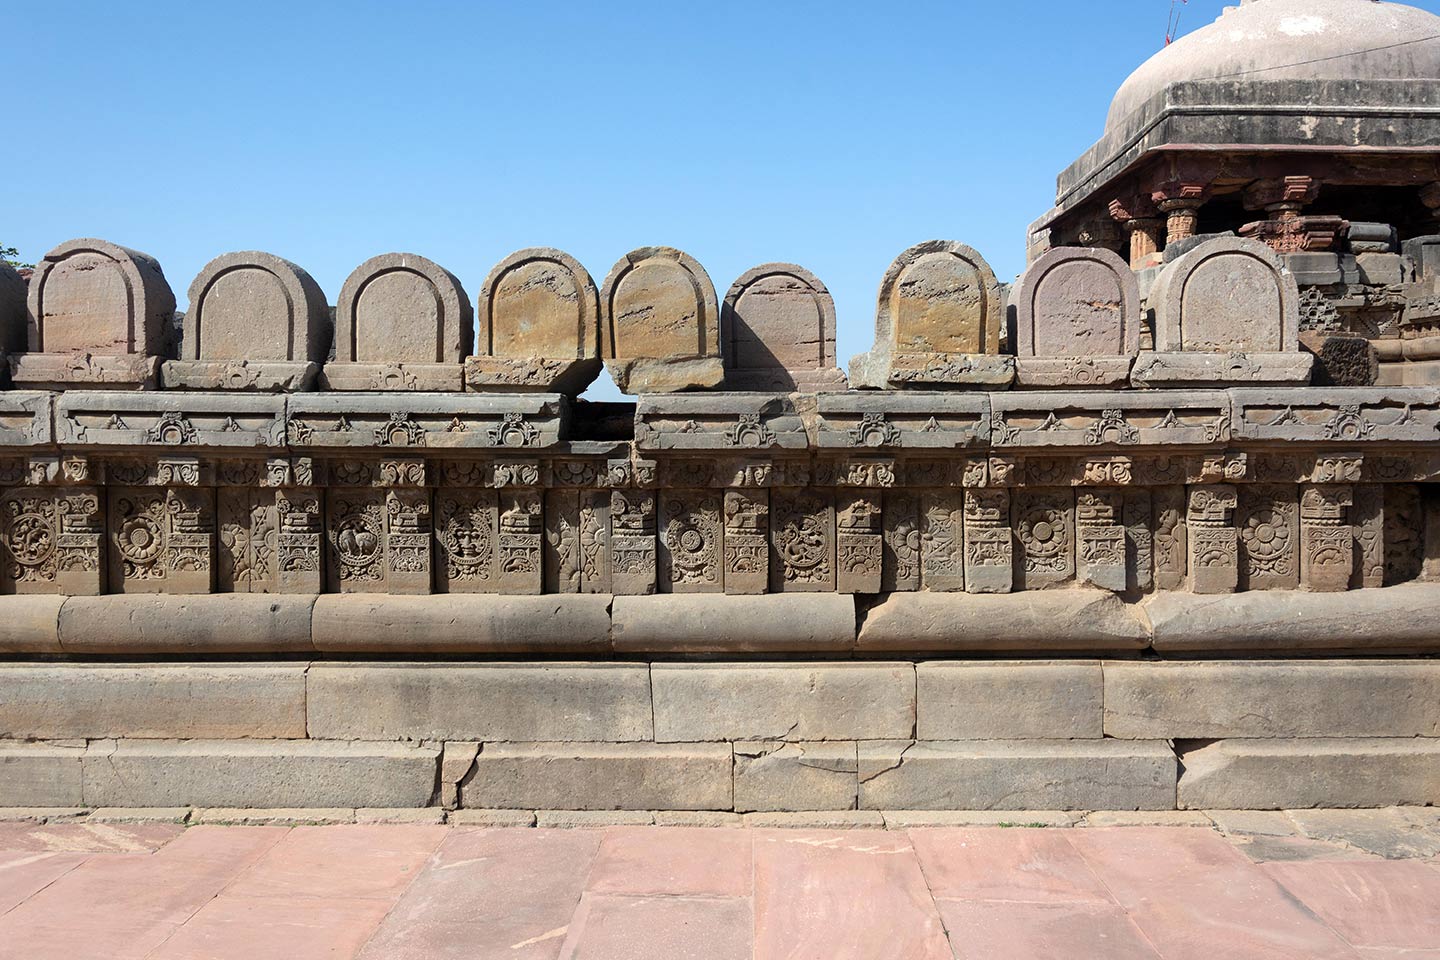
<point>1029,285</point>
<point>152,302</point>
<point>708,317</point>
<point>587,344</point>
<point>1397,619</point>
<point>457,318</point>
<point>309,320</point>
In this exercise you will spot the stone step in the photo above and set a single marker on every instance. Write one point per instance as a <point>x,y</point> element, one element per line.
<point>1017,774</point>
<point>1281,774</point>
<point>217,773</point>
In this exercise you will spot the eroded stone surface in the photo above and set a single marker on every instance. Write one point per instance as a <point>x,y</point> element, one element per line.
<point>539,326</point>
<point>660,323</point>
<point>938,322</point>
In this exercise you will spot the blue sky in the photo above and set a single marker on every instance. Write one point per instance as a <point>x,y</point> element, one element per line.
<point>832,135</point>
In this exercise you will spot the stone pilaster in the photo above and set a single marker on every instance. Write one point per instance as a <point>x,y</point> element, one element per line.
<point>1100,557</point>
<point>632,532</point>
<point>520,567</point>
<point>859,543</point>
<point>989,549</point>
<point>1327,542</point>
<point>942,564</point>
<point>1213,542</point>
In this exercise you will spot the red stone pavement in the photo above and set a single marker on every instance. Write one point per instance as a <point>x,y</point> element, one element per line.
<point>397,892</point>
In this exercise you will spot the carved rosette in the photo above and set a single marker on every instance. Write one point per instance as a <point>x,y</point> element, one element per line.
<point>691,542</point>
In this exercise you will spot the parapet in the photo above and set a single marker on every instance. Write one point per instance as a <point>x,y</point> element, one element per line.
<point>421,461</point>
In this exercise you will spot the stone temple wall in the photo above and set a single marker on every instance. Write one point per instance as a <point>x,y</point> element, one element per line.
<point>384,557</point>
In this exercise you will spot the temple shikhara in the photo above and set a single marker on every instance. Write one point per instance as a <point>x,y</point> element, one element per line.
<point>1156,526</point>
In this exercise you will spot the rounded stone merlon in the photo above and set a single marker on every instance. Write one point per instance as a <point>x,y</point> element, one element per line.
<point>539,302</point>
<point>939,303</point>
<point>462,623</point>
<point>31,624</point>
<point>1077,301</point>
<point>93,296</point>
<point>13,338</point>
<point>777,325</point>
<point>716,623</point>
<point>1077,619</point>
<point>251,305</point>
<point>396,308</point>
<point>657,303</point>
<point>207,624</point>
<point>1228,295</point>
<point>1402,618</point>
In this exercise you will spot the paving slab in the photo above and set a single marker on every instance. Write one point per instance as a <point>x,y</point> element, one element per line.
<point>275,928</point>
<point>1035,866</point>
<point>130,903</point>
<point>1194,895</point>
<point>1043,931</point>
<point>607,927</point>
<point>1253,823</point>
<point>1262,849</point>
<point>640,862</point>
<point>808,885</point>
<point>491,818</point>
<point>24,874</point>
<point>1370,903</point>
<point>1387,833</point>
<point>470,902</point>
<point>360,861</point>
<point>87,837</point>
<point>1011,819</point>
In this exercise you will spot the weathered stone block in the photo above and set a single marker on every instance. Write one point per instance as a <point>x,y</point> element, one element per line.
<point>783,701</point>
<point>1271,698</point>
<point>660,323</point>
<point>778,327</point>
<point>600,776</point>
<point>97,313</point>
<point>40,774</point>
<point>462,623</point>
<point>1039,620</point>
<point>258,773</point>
<point>1077,319</point>
<point>795,776</point>
<point>1399,618</point>
<point>1017,775</point>
<point>222,623</point>
<point>938,322</point>
<point>1088,420</point>
<point>183,701</point>
<point>402,323</point>
<point>1281,774</point>
<point>255,322</point>
<point>788,623</point>
<point>1009,700</point>
<point>31,624</point>
<point>539,317</point>
<point>487,702</point>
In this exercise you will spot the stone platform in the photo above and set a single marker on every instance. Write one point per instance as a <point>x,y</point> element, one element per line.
<point>1228,886</point>
<point>723,735</point>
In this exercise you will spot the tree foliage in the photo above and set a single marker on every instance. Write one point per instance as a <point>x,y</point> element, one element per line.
<point>10,257</point>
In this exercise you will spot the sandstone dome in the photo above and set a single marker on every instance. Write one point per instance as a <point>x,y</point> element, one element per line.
<point>1293,40</point>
